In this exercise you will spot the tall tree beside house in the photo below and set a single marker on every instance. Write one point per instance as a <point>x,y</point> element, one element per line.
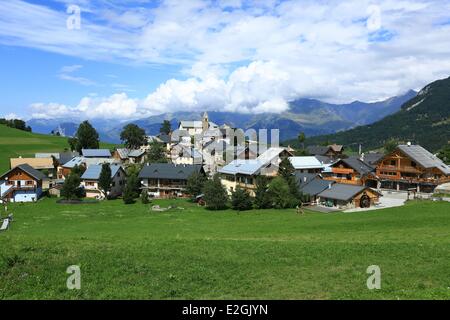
<point>195,184</point>
<point>133,180</point>
<point>128,193</point>
<point>241,200</point>
<point>444,154</point>
<point>71,187</point>
<point>165,127</point>
<point>133,136</point>
<point>79,170</point>
<point>105,180</point>
<point>144,197</point>
<point>86,137</point>
<point>280,194</point>
<point>262,196</point>
<point>215,194</point>
<point>156,153</point>
<point>286,171</point>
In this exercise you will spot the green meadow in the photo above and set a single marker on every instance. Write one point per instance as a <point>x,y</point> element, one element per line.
<point>131,252</point>
<point>15,143</point>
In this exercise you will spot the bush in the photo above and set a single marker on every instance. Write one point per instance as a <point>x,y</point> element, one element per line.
<point>241,200</point>
<point>215,194</point>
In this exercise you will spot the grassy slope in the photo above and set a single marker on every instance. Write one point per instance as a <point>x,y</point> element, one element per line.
<point>14,143</point>
<point>131,252</point>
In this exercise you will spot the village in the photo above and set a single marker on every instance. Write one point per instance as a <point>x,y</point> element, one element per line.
<point>323,178</point>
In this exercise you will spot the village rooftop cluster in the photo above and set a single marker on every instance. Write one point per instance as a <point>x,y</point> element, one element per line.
<point>325,177</point>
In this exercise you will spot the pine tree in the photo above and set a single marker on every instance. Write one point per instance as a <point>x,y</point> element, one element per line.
<point>71,186</point>
<point>128,194</point>
<point>280,194</point>
<point>241,200</point>
<point>144,197</point>
<point>105,179</point>
<point>215,194</point>
<point>262,197</point>
<point>195,184</point>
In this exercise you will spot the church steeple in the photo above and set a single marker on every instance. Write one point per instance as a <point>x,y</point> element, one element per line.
<point>205,121</point>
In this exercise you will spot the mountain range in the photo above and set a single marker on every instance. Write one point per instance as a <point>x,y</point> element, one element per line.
<point>311,116</point>
<point>424,120</point>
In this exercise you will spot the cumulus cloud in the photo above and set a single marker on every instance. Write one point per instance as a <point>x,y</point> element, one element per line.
<point>247,58</point>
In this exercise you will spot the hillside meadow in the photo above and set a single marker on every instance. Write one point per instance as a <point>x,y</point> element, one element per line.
<point>131,252</point>
<point>15,143</point>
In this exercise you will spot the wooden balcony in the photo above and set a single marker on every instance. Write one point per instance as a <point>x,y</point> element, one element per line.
<point>408,169</point>
<point>343,171</point>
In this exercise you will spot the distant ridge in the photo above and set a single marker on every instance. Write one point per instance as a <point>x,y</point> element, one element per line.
<point>424,120</point>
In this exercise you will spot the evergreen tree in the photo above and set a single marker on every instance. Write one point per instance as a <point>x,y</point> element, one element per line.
<point>390,145</point>
<point>287,172</point>
<point>241,200</point>
<point>132,178</point>
<point>262,196</point>
<point>71,186</point>
<point>144,197</point>
<point>105,179</point>
<point>215,194</point>
<point>165,127</point>
<point>195,184</point>
<point>128,194</point>
<point>301,139</point>
<point>79,170</point>
<point>133,136</point>
<point>156,153</point>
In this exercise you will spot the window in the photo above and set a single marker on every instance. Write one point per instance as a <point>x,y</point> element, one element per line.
<point>29,183</point>
<point>393,162</point>
<point>413,164</point>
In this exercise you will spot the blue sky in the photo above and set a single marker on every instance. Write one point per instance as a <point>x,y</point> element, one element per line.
<point>132,59</point>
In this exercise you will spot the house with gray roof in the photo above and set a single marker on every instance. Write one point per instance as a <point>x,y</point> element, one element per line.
<point>347,196</point>
<point>22,183</point>
<point>350,171</point>
<point>166,180</point>
<point>90,179</point>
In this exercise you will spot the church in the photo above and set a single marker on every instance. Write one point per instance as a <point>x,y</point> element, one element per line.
<point>197,127</point>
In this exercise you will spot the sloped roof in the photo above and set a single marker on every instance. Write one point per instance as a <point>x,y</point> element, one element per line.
<point>96,153</point>
<point>191,124</point>
<point>270,154</point>
<point>65,157</point>
<point>47,155</point>
<point>123,153</point>
<point>304,178</point>
<point>93,172</point>
<point>136,153</point>
<point>316,186</point>
<point>317,150</point>
<point>36,163</point>
<point>309,162</point>
<point>28,169</point>
<point>77,161</point>
<point>424,158</point>
<point>340,191</point>
<point>243,166</point>
<point>168,171</point>
<point>357,165</point>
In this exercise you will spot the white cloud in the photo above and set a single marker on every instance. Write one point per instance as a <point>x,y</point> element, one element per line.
<point>11,116</point>
<point>66,74</point>
<point>249,58</point>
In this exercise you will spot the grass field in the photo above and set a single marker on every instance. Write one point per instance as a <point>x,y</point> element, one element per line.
<point>131,252</point>
<point>15,143</point>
